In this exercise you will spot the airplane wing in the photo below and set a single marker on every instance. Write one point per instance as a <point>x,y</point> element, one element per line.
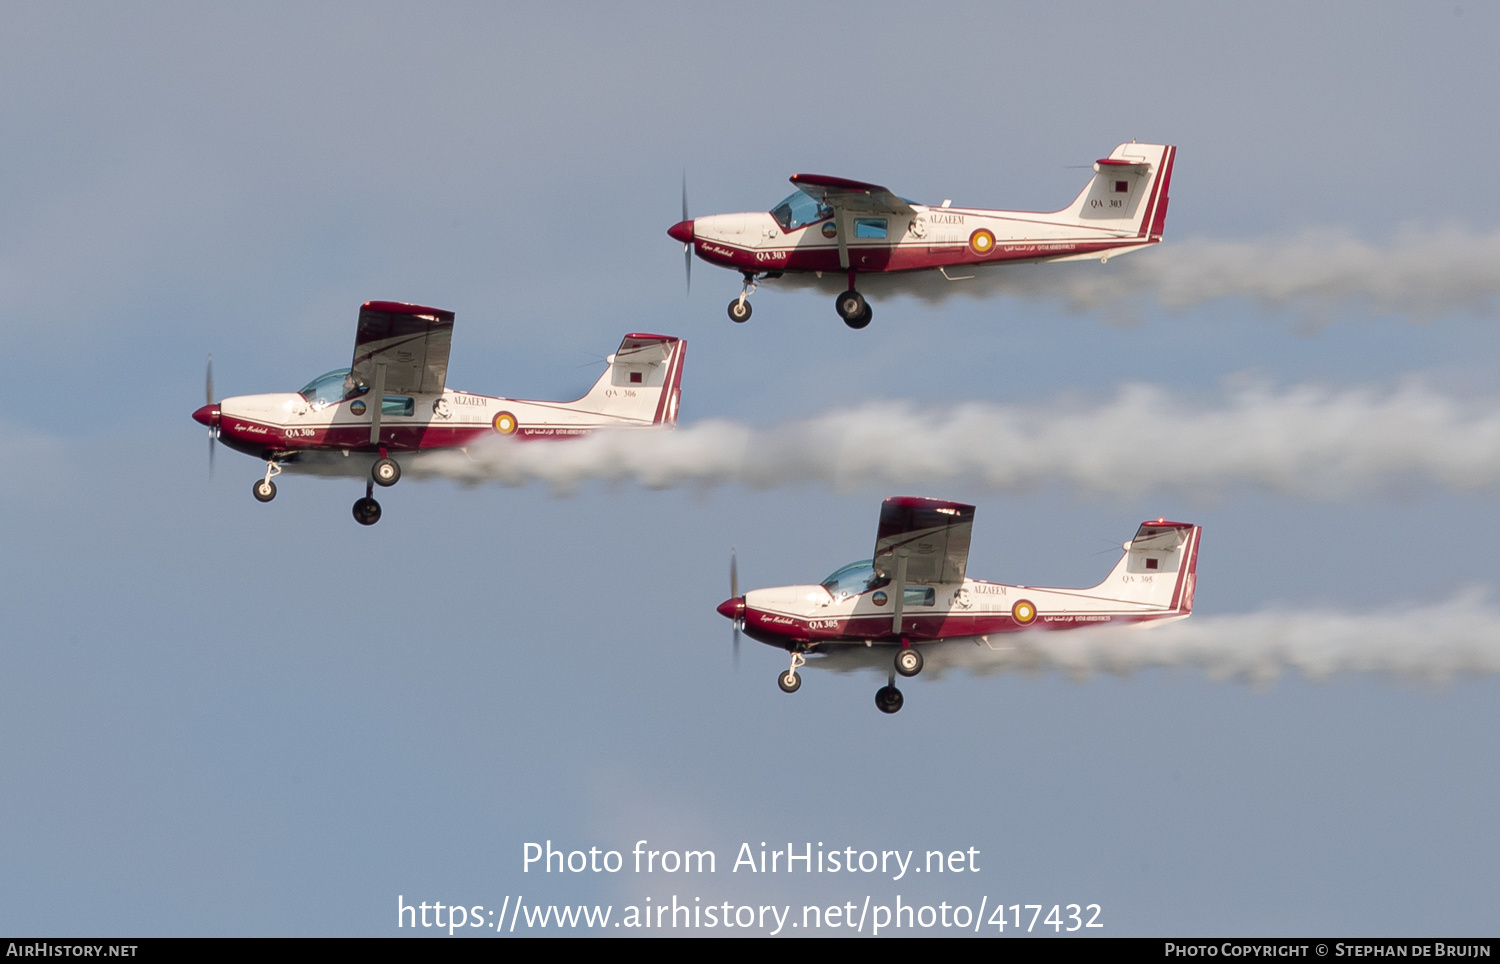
<point>854,196</point>
<point>935,535</point>
<point>408,343</point>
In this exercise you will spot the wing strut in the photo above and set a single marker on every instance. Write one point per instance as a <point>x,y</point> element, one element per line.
<point>377,402</point>
<point>900,588</point>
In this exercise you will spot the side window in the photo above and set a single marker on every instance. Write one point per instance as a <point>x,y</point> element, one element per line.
<point>869,228</point>
<point>397,405</point>
<point>919,596</point>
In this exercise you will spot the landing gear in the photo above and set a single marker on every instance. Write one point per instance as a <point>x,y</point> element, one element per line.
<point>386,472</point>
<point>888,699</point>
<point>908,662</point>
<point>789,681</point>
<point>367,510</point>
<point>265,489</point>
<point>739,308</point>
<point>853,308</point>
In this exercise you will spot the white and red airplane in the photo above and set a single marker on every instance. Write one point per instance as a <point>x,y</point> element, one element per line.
<point>394,399</point>
<point>915,592</point>
<point>843,227</point>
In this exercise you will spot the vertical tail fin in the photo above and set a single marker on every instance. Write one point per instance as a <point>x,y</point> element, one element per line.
<point>1159,569</point>
<point>642,382</point>
<point>1128,194</point>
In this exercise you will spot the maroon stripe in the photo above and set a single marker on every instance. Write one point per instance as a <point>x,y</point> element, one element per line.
<point>1159,217</point>
<point>670,383</point>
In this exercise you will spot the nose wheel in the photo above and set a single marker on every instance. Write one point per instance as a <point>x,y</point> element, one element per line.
<point>739,308</point>
<point>264,489</point>
<point>853,308</point>
<point>790,681</point>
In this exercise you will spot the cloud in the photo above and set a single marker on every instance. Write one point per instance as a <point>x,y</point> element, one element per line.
<point>1432,643</point>
<point>1303,441</point>
<point>1419,274</point>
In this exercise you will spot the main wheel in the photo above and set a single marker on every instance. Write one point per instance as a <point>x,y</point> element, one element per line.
<point>264,489</point>
<point>789,682</point>
<point>862,321</point>
<point>386,472</point>
<point>888,699</point>
<point>851,305</point>
<point>739,310</point>
<point>367,511</point>
<point>908,662</point>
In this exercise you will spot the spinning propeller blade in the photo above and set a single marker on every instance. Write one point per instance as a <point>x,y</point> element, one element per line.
<point>734,593</point>
<point>687,249</point>
<point>208,395</point>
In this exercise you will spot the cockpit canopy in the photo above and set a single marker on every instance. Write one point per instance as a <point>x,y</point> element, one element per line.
<point>798,210</point>
<point>332,388</point>
<point>853,579</point>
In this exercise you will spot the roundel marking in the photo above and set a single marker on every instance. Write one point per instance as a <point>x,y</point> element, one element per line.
<point>829,229</point>
<point>879,598</point>
<point>982,241</point>
<point>1023,612</point>
<point>505,423</point>
<point>356,407</point>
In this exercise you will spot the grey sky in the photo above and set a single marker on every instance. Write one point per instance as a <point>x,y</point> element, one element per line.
<point>231,718</point>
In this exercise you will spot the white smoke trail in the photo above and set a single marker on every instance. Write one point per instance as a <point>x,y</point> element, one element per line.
<point>1304,441</point>
<point>1420,274</point>
<point>1432,644</point>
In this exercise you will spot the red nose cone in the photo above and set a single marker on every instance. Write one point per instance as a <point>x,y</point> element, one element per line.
<point>207,415</point>
<point>681,231</point>
<point>732,608</point>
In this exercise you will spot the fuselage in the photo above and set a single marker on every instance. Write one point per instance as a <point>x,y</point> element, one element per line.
<point>812,615</point>
<point>929,238</point>
<point>289,423</point>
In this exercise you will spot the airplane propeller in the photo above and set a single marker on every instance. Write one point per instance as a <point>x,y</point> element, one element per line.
<point>734,593</point>
<point>213,430</point>
<point>687,248</point>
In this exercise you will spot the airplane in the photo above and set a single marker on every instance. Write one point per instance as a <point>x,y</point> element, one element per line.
<point>394,399</point>
<point>835,225</point>
<point>915,593</point>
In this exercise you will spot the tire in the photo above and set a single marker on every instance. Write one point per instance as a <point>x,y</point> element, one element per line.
<point>264,490</point>
<point>386,472</point>
<point>862,320</point>
<point>739,311</point>
<point>850,306</point>
<point>908,662</point>
<point>789,682</point>
<point>367,512</point>
<point>888,699</point>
